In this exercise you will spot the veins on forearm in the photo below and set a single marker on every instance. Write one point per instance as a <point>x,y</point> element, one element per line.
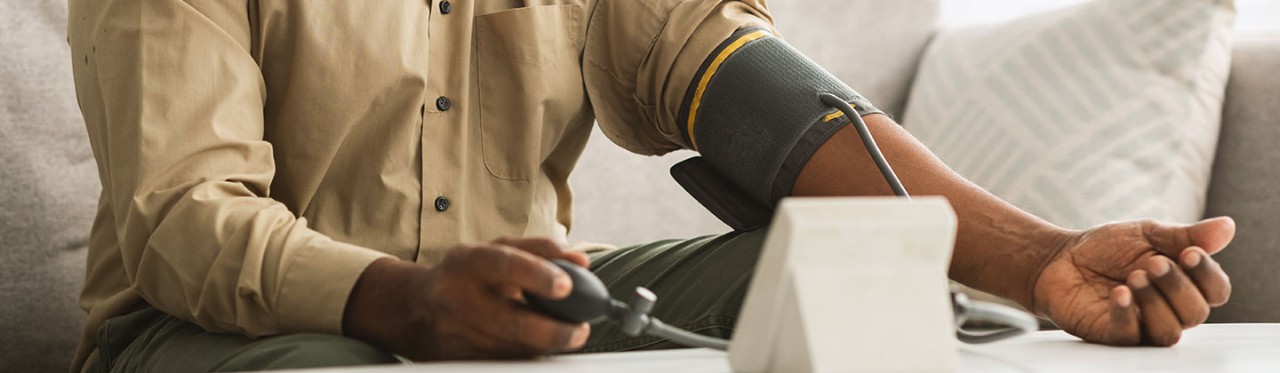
<point>993,242</point>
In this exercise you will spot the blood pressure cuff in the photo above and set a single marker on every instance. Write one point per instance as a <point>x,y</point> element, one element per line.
<point>754,115</point>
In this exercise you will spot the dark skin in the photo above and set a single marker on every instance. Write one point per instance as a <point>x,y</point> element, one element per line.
<point>1127,283</point>
<point>467,307</point>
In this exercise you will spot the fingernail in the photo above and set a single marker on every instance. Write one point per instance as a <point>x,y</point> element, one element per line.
<point>1139,282</point>
<point>1124,300</point>
<point>562,285</point>
<point>579,337</point>
<point>1161,269</point>
<point>1194,260</point>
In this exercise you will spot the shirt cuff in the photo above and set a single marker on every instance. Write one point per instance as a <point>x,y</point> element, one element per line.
<point>317,283</point>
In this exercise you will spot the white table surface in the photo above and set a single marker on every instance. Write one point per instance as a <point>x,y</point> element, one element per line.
<point>1208,348</point>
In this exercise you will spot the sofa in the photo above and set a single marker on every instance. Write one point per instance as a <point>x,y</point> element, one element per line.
<point>49,185</point>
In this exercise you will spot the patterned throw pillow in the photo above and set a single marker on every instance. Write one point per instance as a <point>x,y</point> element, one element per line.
<point>1104,111</point>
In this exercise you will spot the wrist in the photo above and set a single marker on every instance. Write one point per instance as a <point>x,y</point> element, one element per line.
<point>1047,246</point>
<point>378,305</point>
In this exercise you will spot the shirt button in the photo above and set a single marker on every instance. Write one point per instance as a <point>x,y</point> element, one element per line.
<point>443,103</point>
<point>446,7</point>
<point>442,204</point>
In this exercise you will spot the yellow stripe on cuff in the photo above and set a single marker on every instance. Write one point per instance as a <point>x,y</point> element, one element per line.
<point>832,116</point>
<point>838,113</point>
<point>711,71</point>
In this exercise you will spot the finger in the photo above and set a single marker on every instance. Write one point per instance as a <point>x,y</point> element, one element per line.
<point>1124,330</point>
<point>546,248</point>
<point>577,257</point>
<point>1211,234</point>
<point>1181,294</point>
<point>1158,320</point>
<point>1208,275</point>
<point>543,247</point>
<point>512,293</point>
<point>580,336</point>
<point>503,266</point>
<point>532,334</point>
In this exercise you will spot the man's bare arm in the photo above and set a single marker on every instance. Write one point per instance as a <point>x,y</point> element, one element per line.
<point>992,232</point>
<point>1123,283</point>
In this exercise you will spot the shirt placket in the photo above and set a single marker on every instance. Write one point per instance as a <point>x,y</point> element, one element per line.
<point>444,137</point>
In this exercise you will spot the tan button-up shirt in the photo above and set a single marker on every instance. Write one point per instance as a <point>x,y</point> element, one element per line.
<point>257,155</point>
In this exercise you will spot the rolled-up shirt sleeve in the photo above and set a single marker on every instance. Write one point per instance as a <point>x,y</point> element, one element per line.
<point>173,102</point>
<point>641,56</point>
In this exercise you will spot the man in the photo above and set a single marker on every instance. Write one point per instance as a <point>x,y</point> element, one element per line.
<point>313,183</point>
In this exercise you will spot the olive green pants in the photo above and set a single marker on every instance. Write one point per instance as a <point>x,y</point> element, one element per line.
<point>700,285</point>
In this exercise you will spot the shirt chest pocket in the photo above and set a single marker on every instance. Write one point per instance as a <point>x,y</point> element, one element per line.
<point>530,85</point>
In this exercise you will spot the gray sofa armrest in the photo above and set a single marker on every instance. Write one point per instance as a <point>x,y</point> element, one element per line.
<point>1246,181</point>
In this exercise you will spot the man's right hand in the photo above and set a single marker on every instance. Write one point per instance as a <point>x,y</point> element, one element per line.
<point>467,307</point>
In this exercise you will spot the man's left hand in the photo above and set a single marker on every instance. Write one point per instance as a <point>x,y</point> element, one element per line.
<point>1139,282</point>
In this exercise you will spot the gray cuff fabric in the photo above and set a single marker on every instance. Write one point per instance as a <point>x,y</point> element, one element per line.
<point>754,113</point>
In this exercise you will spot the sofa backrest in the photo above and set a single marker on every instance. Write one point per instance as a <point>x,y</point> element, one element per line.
<point>1246,181</point>
<point>48,190</point>
<point>874,46</point>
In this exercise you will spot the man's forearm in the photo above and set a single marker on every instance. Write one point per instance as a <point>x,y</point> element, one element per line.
<point>999,248</point>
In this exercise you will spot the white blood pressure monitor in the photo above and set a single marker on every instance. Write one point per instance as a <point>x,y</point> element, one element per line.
<point>851,284</point>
